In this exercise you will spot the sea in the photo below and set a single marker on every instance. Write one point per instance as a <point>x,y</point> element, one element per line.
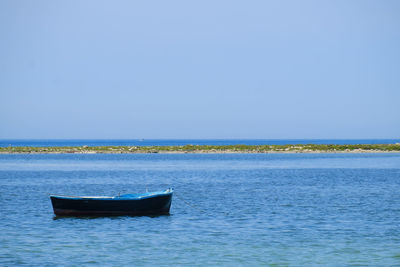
<point>182,142</point>
<point>228,209</point>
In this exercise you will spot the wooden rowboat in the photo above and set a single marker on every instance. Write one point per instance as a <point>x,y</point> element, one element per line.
<point>149,203</point>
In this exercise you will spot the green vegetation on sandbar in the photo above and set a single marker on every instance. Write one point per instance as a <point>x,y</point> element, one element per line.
<point>307,148</point>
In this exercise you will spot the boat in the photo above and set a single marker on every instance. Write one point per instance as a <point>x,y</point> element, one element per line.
<point>149,203</point>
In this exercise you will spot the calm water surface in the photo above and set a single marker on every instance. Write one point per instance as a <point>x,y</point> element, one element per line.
<point>182,142</point>
<point>229,209</point>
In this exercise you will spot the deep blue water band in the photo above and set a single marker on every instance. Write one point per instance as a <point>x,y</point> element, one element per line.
<point>180,142</point>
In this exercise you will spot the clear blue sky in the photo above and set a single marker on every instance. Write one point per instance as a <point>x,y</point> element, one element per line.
<point>199,69</point>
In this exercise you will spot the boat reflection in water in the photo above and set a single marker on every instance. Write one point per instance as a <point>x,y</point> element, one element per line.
<point>149,203</point>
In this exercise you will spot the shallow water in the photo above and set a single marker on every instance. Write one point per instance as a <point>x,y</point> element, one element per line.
<point>228,209</point>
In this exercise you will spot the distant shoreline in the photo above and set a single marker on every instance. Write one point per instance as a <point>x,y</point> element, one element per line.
<point>206,149</point>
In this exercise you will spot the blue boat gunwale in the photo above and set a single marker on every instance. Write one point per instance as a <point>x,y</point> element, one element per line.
<point>137,196</point>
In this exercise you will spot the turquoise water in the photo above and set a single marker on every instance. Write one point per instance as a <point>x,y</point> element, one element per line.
<point>228,210</point>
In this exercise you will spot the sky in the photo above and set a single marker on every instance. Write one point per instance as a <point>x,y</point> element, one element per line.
<point>205,69</point>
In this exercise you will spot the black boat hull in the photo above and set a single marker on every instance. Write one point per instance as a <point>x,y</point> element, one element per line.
<point>156,205</point>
